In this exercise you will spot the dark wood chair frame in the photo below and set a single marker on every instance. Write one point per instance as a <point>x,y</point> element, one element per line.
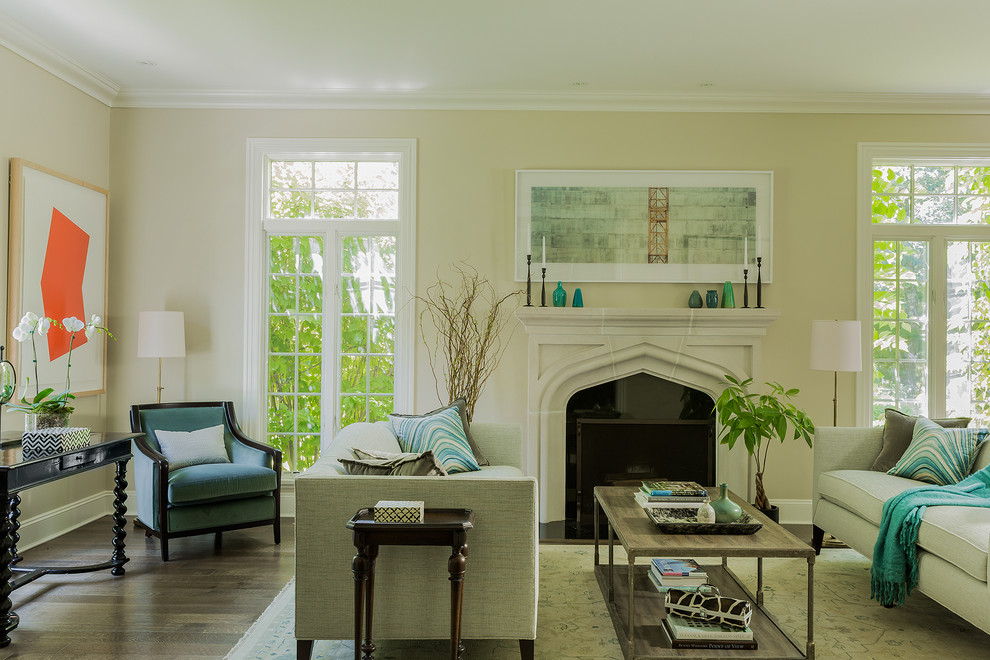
<point>161,467</point>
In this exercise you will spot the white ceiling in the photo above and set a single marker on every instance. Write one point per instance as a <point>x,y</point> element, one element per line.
<point>798,55</point>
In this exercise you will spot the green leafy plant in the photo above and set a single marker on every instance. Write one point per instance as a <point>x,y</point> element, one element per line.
<point>758,418</point>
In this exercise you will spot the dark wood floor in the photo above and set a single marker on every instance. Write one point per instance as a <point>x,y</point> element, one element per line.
<point>197,605</point>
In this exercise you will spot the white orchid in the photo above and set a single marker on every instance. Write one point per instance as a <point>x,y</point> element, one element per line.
<point>30,324</point>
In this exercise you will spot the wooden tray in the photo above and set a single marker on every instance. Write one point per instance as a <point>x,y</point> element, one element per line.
<point>684,521</point>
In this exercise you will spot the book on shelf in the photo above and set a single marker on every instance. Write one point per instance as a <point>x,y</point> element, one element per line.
<point>644,502</point>
<point>682,627</point>
<point>697,499</point>
<point>669,566</point>
<point>679,582</point>
<point>709,644</point>
<point>664,588</point>
<point>671,488</point>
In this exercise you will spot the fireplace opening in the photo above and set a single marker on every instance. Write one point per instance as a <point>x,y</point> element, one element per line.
<point>632,429</point>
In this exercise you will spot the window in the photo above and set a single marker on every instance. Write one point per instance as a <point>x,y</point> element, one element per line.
<point>927,262</point>
<point>330,254</point>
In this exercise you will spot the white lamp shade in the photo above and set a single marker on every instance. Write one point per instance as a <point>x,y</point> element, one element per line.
<point>836,346</point>
<point>161,335</point>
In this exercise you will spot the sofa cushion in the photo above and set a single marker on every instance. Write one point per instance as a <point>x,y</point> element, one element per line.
<point>185,448</point>
<point>957,534</point>
<point>898,431</point>
<point>939,455</point>
<point>214,482</point>
<point>489,472</point>
<point>387,464</point>
<point>459,404</point>
<point>442,433</point>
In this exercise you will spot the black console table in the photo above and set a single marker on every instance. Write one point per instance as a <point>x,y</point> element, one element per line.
<point>18,473</point>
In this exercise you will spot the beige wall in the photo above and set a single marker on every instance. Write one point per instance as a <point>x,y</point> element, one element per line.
<point>178,183</point>
<point>48,122</point>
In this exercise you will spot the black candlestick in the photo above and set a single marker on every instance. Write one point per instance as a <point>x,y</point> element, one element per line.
<point>529,280</point>
<point>543,294</point>
<point>745,288</point>
<point>759,283</point>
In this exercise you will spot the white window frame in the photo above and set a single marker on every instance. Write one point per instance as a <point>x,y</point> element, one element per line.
<point>936,235</point>
<point>260,152</point>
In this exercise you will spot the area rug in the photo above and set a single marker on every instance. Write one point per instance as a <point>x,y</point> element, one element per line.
<point>574,624</point>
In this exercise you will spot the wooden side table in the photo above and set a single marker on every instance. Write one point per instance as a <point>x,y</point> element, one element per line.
<point>439,527</point>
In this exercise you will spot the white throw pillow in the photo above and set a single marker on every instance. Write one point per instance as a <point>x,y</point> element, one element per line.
<point>185,448</point>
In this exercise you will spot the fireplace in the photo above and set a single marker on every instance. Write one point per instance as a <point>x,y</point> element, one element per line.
<point>573,349</point>
<point>631,429</point>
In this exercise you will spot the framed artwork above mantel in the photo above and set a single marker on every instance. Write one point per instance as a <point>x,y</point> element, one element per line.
<point>644,225</point>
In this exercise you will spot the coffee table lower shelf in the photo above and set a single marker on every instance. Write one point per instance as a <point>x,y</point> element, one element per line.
<point>650,640</point>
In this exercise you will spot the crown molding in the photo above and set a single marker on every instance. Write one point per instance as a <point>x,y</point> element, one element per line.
<point>21,41</point>
<point>574,101</point>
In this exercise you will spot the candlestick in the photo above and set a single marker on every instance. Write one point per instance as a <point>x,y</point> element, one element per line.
<point>544,251</point>
<point>759,283</point>
<point>543,294</point>
<point>529,280</point>
<point>745,288</point>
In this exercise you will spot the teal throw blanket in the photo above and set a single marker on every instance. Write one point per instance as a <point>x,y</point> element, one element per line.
<point>894,573</point>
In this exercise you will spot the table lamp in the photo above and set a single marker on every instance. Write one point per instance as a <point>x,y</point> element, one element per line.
<point>161,335</point>
<point>836,346</point>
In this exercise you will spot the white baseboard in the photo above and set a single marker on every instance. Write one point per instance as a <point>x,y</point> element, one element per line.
<point>794,512</point>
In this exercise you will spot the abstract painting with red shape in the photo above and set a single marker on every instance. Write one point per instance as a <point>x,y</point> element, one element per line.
<point>62,280</point>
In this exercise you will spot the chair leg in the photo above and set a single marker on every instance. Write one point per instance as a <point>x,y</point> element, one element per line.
<point>817,537</point>
<point>304,649</point>
<point>164,548</point>
<point>526,648</point>
<point>278,531</point>
<point>218,541</point>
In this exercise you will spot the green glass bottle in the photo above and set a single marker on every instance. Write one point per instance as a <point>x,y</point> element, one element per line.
<point>726,511</point>
<point>728,296</point>
<point>559,296</point>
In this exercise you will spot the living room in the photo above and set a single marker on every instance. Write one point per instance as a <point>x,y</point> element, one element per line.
<point>175,158</point>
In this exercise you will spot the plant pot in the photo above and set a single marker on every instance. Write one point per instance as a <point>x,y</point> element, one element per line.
<point>35,421</point>
<point>773,513</point>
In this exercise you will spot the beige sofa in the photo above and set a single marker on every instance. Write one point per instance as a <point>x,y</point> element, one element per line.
<point>412,592</point>
<point>953,541</point>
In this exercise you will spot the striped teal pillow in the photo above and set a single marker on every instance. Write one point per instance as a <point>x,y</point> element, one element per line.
<point>939,455</point>
<point>442,433</point>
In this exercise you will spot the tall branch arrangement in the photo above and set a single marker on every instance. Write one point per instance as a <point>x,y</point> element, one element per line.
<point>470,319</point>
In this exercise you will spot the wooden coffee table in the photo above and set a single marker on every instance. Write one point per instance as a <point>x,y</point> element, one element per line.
<point>636,606</point>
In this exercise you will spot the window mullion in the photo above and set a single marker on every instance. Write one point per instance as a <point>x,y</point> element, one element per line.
<point>937,296</point>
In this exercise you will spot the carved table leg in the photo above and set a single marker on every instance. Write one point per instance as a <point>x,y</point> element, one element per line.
<point>119,523</point>
<point>456,566</point>
<point>15,524</point>
<point>8,620</point>
<point>363,566</point>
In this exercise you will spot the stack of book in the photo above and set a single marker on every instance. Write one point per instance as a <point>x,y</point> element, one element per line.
<point>676,574</point>
<point>671,495</point>
<point>685,633</point>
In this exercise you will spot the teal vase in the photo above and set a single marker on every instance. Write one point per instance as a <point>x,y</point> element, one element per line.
<point>726,511</point>
<point>559,296</point>
<point>711,298</point>
<point>695,301</point>
<point>728,296</point>
<point>578,301</point>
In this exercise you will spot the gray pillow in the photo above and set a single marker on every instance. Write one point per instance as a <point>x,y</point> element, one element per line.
<point>382,463</point>
<point>185,448</point>
<point>898,430</point>
<point>461,405</point>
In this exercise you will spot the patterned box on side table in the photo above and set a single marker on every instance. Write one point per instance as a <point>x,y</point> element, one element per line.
<point>399,512</point>
<point>45,442</point>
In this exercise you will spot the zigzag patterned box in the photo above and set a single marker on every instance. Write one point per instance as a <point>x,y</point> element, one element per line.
<point>391,511</point>
<point>45,442</point>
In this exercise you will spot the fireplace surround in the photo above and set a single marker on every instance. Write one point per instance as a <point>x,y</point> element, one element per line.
<point>571,349</point>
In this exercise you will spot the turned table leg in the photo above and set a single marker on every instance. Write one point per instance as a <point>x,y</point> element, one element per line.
<point>456,566</point>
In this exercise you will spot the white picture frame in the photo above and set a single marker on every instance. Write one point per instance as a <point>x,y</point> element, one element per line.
<point>598,228</point>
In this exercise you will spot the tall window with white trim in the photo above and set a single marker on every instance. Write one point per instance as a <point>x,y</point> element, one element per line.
<point>334,347</point>
<point>928,234</point>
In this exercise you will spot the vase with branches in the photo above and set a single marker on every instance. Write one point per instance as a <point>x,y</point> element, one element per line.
<point>759,418</point>
<point>470,319</point>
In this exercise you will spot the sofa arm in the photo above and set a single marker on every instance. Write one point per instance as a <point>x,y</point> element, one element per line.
<point>838,448</point>
<point>500,443</point>
<point>411,583</point>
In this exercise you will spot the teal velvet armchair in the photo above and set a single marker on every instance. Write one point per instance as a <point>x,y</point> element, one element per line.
<point>207,498</point>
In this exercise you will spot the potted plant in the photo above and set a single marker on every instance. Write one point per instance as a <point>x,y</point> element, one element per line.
<point>759,418</point>
<point>47,409</point>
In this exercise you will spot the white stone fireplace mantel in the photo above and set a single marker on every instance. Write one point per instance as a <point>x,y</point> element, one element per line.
<point>573,348</point>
